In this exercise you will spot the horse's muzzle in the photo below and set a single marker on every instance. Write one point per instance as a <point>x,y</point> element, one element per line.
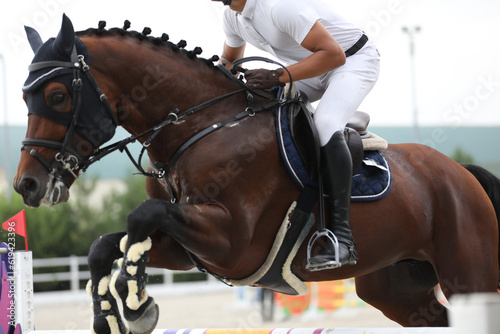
<point>28,187</point>
<point>36,193</point>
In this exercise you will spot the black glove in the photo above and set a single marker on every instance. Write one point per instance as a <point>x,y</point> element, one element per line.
<point>264,79</point>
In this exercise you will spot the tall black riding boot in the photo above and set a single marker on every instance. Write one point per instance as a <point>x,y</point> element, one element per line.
<point>336,169</point>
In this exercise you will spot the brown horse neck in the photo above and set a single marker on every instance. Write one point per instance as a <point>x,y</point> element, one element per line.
<point>144,83</point>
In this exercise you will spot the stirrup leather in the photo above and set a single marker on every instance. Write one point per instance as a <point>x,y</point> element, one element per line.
<point>330,264</point>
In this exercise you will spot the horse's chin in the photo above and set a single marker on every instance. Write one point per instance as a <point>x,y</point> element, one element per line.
<point>57,192</point>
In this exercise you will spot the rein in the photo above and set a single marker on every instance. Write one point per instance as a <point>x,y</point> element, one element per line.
<point>73,162</point>
<point>163,170</point>
<point>172,118</point>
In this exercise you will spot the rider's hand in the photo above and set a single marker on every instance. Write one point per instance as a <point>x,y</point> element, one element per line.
<point>264,79</point>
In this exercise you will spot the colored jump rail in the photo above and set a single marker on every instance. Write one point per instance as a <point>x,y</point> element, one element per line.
<point>380,330</point>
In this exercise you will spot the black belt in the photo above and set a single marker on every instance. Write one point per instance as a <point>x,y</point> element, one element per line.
<point>357,46</point>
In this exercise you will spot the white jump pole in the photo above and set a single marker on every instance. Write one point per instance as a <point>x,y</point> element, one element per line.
<point>23,296</point>
<point>475,313</point>
<point>20,309</point>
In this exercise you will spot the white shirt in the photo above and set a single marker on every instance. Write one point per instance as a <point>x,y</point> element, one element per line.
<point>280,26</point>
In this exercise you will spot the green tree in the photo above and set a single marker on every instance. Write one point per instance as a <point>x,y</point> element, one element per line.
<point>70,228</point>
<point>460,156</point>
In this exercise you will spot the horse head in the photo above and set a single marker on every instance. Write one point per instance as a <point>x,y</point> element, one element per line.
<point>64,129</point>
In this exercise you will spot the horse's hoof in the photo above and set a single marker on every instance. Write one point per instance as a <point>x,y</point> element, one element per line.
<point>145,323</point>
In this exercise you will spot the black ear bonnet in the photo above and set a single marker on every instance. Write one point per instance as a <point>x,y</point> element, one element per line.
<point>93,122</point>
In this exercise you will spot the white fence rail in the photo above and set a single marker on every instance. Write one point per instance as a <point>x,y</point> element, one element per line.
<point>75,275</point>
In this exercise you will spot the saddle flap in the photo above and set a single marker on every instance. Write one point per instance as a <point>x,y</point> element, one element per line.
<point>306,140</point>
<point>304,134</point>
<point>355,144</point>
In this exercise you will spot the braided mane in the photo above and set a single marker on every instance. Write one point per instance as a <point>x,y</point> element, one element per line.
<point>144,36</point>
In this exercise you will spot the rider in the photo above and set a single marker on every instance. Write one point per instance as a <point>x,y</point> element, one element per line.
<point>329,59</point>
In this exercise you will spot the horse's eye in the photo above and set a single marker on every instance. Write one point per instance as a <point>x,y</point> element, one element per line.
<point>58,98</point>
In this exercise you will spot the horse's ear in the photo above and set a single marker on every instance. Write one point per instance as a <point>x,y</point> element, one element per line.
<point>65,39</point>
<point>33,38</point>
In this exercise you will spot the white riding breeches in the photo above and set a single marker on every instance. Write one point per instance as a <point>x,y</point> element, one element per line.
<point>342,90</point>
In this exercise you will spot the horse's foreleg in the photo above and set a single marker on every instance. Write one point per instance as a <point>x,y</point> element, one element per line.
<point>106,315</point>
<point>129,284</point>
<point>201,229</point>
<point>193,226</point>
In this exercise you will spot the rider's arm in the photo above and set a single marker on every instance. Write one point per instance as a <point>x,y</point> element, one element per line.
<point>230,54</point>
<point>326,55</point>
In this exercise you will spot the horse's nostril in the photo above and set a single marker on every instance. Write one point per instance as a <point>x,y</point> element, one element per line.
<point>29,185</point>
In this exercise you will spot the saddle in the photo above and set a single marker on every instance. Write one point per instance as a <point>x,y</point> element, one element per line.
<point>299,146</point>
<point>305,138</point>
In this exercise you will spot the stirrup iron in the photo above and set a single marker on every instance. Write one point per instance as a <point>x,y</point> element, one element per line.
<point>330,237</point>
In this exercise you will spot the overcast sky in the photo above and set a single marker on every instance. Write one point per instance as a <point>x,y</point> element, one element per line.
<point>457,50</point>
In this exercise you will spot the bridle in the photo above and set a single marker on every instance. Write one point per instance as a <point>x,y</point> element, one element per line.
<point>67,160</point>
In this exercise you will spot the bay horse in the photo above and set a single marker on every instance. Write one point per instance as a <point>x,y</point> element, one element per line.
<point>221,202</point>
